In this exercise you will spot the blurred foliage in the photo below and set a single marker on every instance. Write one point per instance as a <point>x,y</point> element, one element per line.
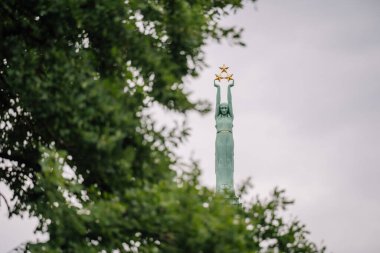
<point>80,154</point>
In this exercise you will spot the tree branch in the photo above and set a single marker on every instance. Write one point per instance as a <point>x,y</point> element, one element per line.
<point>6,202</point>
<point>20,161</point>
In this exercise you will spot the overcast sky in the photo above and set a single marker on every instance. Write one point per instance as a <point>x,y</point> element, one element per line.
<point>307,107</point>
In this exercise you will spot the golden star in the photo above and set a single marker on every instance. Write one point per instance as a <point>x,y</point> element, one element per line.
<point>218,77</point>
<point>229,77</point>
<point>223,68</point>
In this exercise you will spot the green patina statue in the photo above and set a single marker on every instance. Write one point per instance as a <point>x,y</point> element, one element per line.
<point>224,144</point>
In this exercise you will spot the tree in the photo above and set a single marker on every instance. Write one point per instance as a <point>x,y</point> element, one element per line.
<point>78,150</point>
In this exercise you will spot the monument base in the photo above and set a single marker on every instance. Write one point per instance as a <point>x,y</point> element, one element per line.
<point>229,194</point>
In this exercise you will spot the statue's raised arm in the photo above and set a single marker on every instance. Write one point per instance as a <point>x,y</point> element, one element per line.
<point>217,99</point>
<point>229,99</point>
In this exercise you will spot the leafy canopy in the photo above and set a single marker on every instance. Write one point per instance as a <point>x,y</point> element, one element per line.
<point>80,154</point>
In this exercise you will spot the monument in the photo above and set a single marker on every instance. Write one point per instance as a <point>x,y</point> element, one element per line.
<point>224,143</point>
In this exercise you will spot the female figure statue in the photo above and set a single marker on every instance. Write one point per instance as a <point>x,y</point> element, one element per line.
<point>224,144</point>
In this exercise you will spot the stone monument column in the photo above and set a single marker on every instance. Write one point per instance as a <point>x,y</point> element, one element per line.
<point>224,143</point>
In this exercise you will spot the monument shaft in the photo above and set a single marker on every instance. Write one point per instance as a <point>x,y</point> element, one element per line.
<point>224,143</point>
